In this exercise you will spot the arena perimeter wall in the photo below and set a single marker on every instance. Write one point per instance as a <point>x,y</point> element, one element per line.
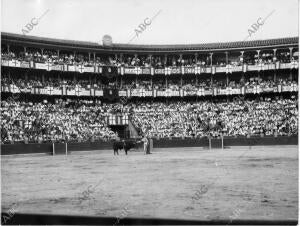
<point>21,148</point>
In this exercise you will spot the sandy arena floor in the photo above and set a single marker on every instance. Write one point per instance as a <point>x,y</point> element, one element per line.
<point>183,183</point>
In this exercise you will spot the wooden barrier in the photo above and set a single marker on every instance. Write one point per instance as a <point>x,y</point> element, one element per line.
<point>17,148</point>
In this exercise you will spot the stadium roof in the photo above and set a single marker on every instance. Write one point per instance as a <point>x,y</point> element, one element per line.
<point>41,42</point>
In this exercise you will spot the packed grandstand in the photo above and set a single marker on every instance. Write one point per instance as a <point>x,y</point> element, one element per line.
<point>58,90</point>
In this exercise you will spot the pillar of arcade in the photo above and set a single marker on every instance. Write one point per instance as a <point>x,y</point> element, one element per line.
<point>211,61</point>
<point>242,61</point>
<point>274,61</point>
<point>227,76</point>
<point>291,58</point>
<point>258,58</point>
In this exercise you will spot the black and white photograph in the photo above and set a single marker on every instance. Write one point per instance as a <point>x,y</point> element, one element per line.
<point>161,112</point>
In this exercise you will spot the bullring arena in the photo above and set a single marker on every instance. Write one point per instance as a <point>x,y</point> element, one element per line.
<point>176,125</point>
<point>238,183</point>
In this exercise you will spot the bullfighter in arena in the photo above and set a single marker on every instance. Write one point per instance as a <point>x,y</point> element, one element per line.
<point>145,140</point>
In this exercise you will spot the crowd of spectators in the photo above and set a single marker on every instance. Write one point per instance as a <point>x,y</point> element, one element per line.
<point>86,120</point>
<point>197,119</point>
<point>53,57</point>
<point>62,120</point>
<point>72,58</point>
<point>70,84</point>
<point>187,85</point>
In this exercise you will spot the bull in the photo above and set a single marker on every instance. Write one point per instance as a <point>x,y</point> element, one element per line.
<point>125,144</point>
